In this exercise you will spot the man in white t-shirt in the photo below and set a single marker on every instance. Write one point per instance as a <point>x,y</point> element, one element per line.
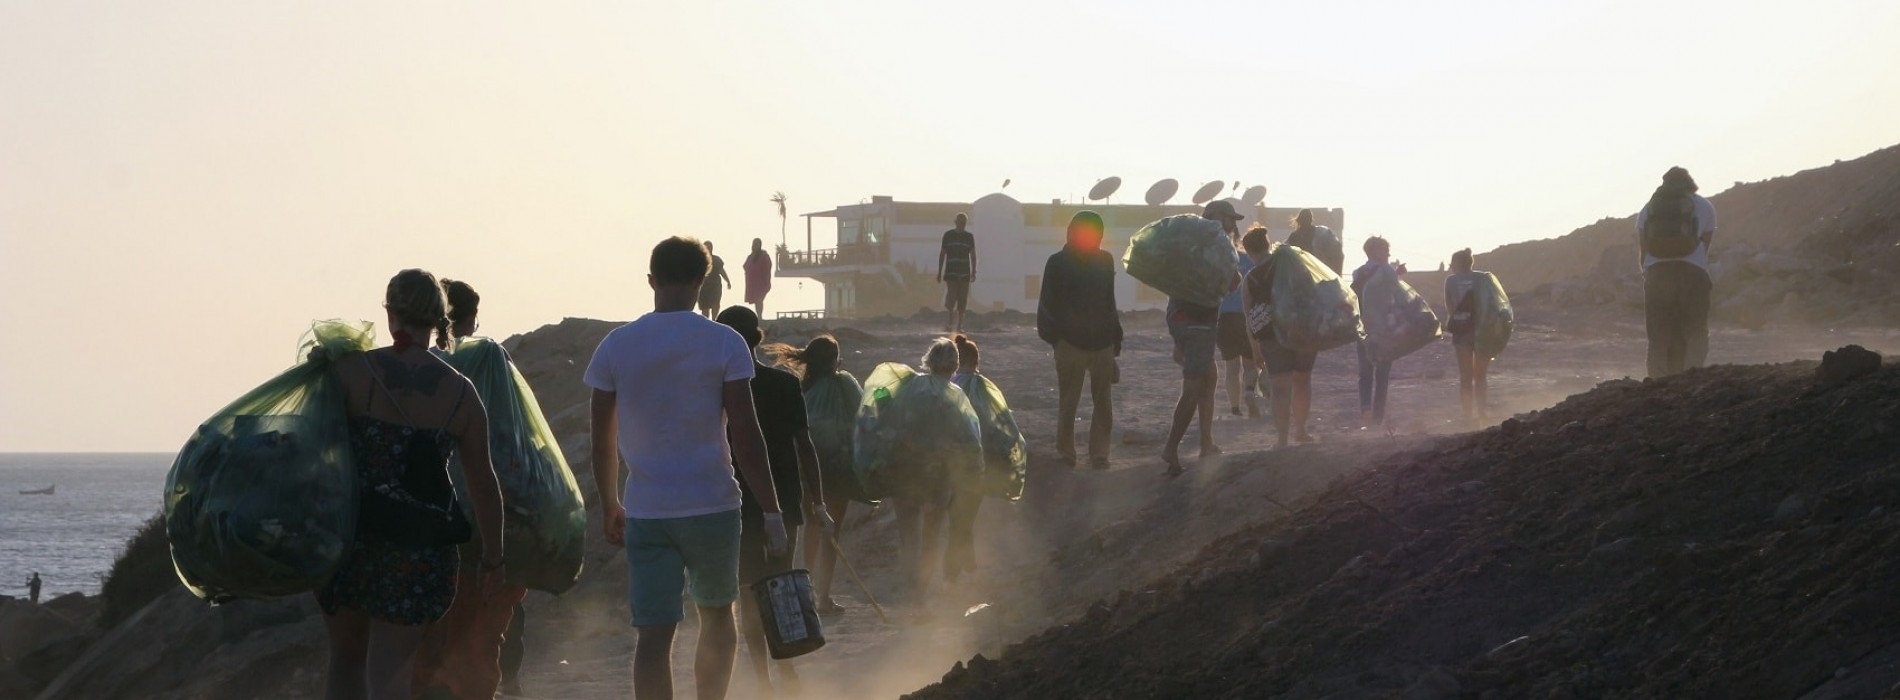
<point>1673,232</point>
<point>666,389</point>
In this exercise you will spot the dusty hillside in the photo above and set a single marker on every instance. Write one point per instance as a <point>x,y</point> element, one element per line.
<point>1821,245</point>
<point>1725,533</point>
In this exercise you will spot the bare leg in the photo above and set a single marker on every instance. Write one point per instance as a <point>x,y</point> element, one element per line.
<point>1480,389</point>
<point>387,666</point>
<point>718,644</point>
<point>756,651</point>
<point>1184,409</point>
<point>653,661</point>
<point>349,648</point>
<point>1233,385</point>
<point>1282,405</point>
<point>826,563</point>
<point>1465,367</point>
<point>1208,388</point>
<point>1302,404</point>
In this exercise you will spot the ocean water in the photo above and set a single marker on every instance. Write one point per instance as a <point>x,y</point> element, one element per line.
<point>72,536</point>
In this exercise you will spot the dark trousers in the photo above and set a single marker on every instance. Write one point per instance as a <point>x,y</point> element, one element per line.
<point>1676,312</point>
<point>1373,378</point>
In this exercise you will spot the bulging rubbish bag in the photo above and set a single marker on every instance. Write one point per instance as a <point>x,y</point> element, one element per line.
<point>1005,452</point>
<point>1492,314</point>
<point>261,501</point>
<point>831,413</point>
<point>1185,257</point>
<point>1309,309</point>
<point>1398,320</point>
<point>545,521</point>
<point>917,436</point>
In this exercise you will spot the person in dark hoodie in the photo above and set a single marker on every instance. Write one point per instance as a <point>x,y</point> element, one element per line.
<point>1076,316</point>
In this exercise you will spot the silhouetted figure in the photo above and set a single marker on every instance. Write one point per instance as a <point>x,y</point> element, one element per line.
<point>956,269</point>
<point>758,277</point>
<point>33,587</point>
<point>710,291</point>
<point>1673,233</point>
<point>1076,316</point>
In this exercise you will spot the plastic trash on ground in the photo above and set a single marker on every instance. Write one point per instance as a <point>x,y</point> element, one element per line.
<point>916,436</point>
<point>1185,257</point>
<point>1311,308</point>
<point>1005,452</point>
<point>1494,318</point>
<point>261,501</point>
<point>545,523</point>
<point>1397,318</point>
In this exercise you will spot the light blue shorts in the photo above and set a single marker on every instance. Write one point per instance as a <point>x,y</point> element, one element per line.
<point>670,556</point>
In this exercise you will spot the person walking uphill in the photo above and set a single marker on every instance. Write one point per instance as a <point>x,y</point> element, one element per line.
<point>1673,233</point>
<point>794,462</point>
<point>956,269</point>
<point>1321,241</point>
<point>1076,316</point>
<point>1374,376</point>
<point>1236,346</point>
<point>668,390</point>
<point>33,587</point>
<point>1192,327</point>
<point>409,413</point>
<point>758,276</point>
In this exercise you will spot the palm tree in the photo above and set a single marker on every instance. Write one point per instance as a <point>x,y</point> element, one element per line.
<point>779,199</point>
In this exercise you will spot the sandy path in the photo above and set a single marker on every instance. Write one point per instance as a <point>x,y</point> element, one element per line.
<point>1083,536</point>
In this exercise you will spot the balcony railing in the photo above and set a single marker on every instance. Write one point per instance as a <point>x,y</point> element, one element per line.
<point>833,257</point>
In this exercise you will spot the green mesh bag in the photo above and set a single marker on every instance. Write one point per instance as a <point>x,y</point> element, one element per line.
<point>1005,452</point>
<point>916,435</point>
<point>1495,320</point>
<point>261,501</point>
<point>545,520</point>
<point>1398,320</point>
<point>1185,257</point>
<point>1311,309</point>
<point>831,412</point>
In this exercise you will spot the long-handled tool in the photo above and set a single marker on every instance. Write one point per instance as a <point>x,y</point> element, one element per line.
<point>835,547</point>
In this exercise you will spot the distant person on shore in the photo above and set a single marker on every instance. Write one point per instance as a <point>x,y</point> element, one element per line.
<point>1374,376</point>
<point>1076,316</point>
<point>33,584</point>
<point>794,464</point>
<point>460,656</point>
<point>758,276</point>
<point>1673,233</point>
<point>831,399</point>
<point>409,412</point>
<point>1461,321</point>
<point>1321,241</point>
<point>956,269</point>
<point>1289,372</point>
<point>673,385</point>
<point>709,291</point>
<point>1236,347</point>
<point>1192,327</point>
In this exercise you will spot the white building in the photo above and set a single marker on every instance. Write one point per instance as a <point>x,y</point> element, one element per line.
<point>884,257</point>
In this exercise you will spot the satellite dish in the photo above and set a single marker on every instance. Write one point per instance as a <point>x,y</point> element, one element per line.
<point>1208,191</point>
<point>1106,187</point>
<point>1159,192</point>
<point>1254,195</point>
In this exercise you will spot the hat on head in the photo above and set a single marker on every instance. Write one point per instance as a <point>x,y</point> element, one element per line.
<point>1221,210</point>
<point>743,320</point>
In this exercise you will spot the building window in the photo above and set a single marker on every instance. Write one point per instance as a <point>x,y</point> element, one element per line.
<point>850,232</point>
<point>1032,286</point>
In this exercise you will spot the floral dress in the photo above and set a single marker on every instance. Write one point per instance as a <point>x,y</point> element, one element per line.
<point>399,584</point>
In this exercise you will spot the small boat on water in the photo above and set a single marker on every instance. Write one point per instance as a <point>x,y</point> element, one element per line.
<point>48,491</point>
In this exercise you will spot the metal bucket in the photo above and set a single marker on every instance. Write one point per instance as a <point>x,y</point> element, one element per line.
<point>789,614</point>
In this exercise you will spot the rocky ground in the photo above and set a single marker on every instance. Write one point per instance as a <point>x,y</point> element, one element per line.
<point>1136,546</point>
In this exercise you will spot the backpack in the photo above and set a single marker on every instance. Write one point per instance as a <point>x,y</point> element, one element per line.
<point>1328,248</point>
<point>1670,229</point>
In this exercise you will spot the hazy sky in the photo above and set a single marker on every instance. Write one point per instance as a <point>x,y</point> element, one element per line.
<point>185,185</point>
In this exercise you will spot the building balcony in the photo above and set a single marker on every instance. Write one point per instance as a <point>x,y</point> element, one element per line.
<point>801,263</point>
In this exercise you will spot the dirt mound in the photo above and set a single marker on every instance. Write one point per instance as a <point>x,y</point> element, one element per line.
<point>1819,246</point>
<point>1722,533</point>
